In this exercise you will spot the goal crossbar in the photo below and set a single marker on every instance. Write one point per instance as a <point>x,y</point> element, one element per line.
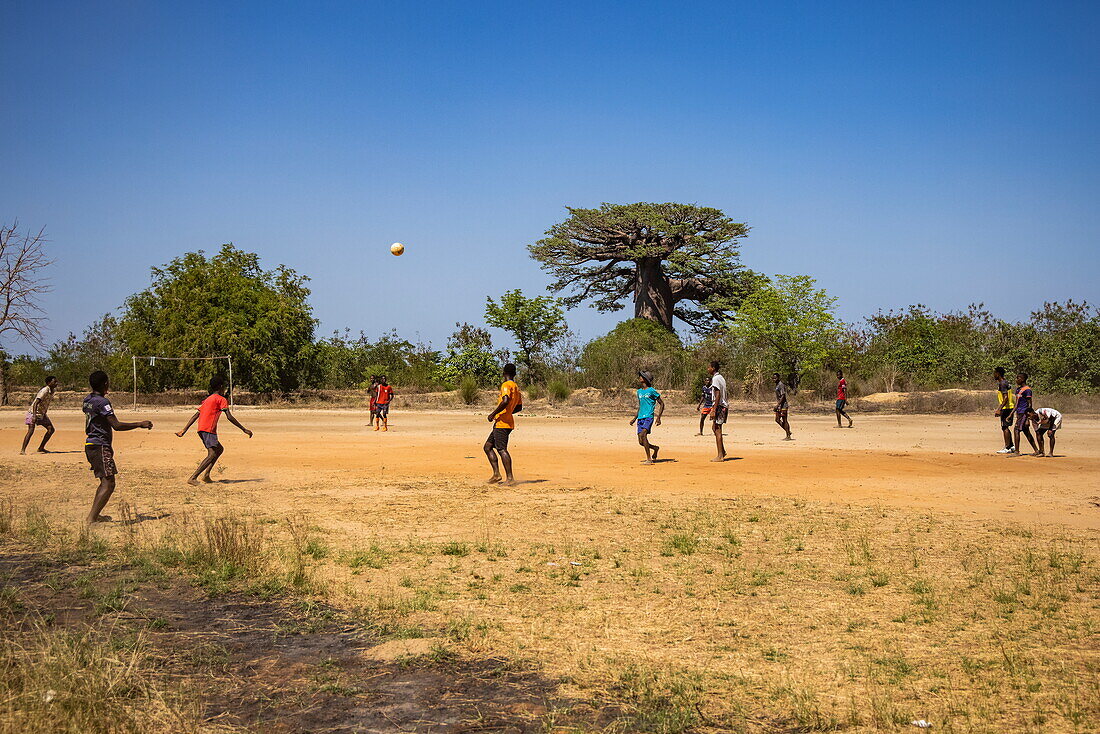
<point>154,357</point>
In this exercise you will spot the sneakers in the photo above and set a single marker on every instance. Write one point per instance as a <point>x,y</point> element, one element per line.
<point>1007,451</point>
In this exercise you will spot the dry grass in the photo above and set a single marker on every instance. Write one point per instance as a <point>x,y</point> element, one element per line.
<point>700,615</point>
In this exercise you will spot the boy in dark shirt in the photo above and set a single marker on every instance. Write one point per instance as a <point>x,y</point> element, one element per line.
<point>1024,397</point>
<point>100,422</point>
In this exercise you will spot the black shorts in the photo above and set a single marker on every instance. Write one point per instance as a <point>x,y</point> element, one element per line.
<point>1007,416</point>
<point>210,440</point>
<point>498,439</point>
<point>720,414</point>
<point>102,460</point>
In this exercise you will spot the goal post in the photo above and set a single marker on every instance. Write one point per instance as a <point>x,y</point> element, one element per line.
<point>153,362</point>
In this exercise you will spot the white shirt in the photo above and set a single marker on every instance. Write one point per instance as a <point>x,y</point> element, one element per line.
<point>42,401</point>
<point>1047,413</point>
<point>718,382</point>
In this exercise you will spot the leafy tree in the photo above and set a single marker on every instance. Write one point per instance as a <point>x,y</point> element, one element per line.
<point>674,260</point>
<point>469,354</point>
<point>226,304</point>
<point>98,348</point>
<point>791,319</point>
<point>535,323</point>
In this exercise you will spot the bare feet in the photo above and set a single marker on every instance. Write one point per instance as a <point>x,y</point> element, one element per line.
<point>193,482</point>
<point>495,479</point>
<point>207,480</point>
<point>718,459</point>
<point>22,453</point>
<point>43,451</point>
<point>655,450</point>
<point>698,434</point>
<point>508,483</point>
<point>789,438</point>
<point>648,461</point>
<point>101,518</point>
<point>849,422</point>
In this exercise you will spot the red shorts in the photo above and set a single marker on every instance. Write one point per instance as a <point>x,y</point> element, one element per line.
<point>704,411</point>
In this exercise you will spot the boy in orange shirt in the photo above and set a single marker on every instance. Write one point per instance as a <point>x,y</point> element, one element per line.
<point>504,421</point>
<point>207,415</point>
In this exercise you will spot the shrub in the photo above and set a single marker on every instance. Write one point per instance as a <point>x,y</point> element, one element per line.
<point>558,390</point>
<point>613,360</point>
<point>468,389</point>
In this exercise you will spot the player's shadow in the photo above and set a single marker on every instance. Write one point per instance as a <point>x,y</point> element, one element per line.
<point>529,481</point>
<point>237,481</point>
<point>143,517</point>
<point>51,451</point>
<point>665,461</point>
<point>729,458</point>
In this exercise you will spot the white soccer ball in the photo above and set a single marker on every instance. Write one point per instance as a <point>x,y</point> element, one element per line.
<point>397,248</point>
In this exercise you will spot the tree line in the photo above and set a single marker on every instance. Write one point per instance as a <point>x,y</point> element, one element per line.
<point>676,262</point>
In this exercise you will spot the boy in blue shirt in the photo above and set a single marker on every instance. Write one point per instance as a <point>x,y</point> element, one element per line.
<point>648,400</point>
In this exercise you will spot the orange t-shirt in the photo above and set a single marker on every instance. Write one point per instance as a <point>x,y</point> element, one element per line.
<point>209,412</point>
<point>385,392</point>
<point>505,418</point>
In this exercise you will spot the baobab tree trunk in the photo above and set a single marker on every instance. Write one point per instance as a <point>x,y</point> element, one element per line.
<point>653,298</point>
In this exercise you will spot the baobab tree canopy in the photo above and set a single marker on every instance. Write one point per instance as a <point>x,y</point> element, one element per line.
<point>675,260</point>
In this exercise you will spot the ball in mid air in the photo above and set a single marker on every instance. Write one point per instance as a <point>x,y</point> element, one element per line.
<point>397,248</point>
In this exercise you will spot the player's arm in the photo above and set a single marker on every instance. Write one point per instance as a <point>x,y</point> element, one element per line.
<point>194,418</point>
<point>34,404</point>
<point>500,407</point>
<point>229,417</point>
<point>717,395</point>
<point>660,409</point>
<point>120,426</point>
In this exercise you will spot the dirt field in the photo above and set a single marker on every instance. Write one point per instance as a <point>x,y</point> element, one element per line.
<point>853,579</point>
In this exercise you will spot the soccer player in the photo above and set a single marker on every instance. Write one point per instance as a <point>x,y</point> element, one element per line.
<point>1024,398</point>
<point>100,422</point>
<point>706,403</point>
<point>382,398</point>
<point>1005,408</point>
<point>210,410</point>
<point>504,421</point>
<point>781,405</point>
<point>648,399</point>
<point>721,408</point>
<point>841,398</point>
<point>1046,420</point>
<point>38,415</point>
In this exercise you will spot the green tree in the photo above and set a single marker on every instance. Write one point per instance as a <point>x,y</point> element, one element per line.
<point>469,354</point>
<point>673,260</point>
<point>226,304</point>
<point>792,320</point>
<point>535,323</point>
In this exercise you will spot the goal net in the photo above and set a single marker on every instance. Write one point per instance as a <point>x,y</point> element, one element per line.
<point>151,362</point>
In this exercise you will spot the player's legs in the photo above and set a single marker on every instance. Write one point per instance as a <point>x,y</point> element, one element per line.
<point>49,434</point>
<point>1024,428</point>
<point>102,496</point>
<point>702,423</point>
<point>720,444</point>
<point>650,449</point>
<point>218,451</point>
<point>784,423</point>
<point>1052,442</point>
<point>27,438</point>
<point>204,465</point>
<point>1006,429</point>
<point>386,418</point>
<point>1040,433</point>
<point>491,454</point>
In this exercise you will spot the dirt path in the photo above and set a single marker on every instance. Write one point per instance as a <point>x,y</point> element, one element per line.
<point>916,461</point>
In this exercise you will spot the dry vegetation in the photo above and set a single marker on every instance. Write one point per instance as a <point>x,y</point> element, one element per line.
<point>651,615</point>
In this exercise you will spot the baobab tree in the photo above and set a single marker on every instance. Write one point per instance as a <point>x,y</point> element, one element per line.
<point>675,260</point>
<point>23,261</point>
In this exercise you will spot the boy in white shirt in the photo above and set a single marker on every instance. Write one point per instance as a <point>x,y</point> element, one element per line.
<point>38,415</point>
<point>1046,420</point>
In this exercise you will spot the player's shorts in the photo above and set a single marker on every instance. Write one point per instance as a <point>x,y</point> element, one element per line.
<point>719,414</point>
<point>781,412</point>
<point>1006,416</point>
<point>841,404</point>
<point>498,439</point>
<point>210,440</point>
<point>1043,429</point>
<point>38,420</point>
<point>1021,421</point>
<point>102,460</point>
<point>705,410</point>
<point>645,424</point>
<point>382,409</point>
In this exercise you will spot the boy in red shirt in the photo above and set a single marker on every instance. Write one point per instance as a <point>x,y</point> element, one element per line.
<point>382,396</point>
<point>841,398</point>
<point>207,415</point>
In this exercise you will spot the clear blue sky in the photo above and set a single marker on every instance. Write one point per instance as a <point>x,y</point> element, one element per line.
<point>942,153</point>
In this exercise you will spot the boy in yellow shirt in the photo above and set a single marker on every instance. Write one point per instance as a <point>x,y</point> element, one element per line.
<point>504,421</point>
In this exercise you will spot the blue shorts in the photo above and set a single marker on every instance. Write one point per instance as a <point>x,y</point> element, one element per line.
<point>209,440</point>
<point>381,409</point>
<point>645,424</point>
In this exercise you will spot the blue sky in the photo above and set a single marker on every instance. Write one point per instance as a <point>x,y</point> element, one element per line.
<point>942,153</point>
